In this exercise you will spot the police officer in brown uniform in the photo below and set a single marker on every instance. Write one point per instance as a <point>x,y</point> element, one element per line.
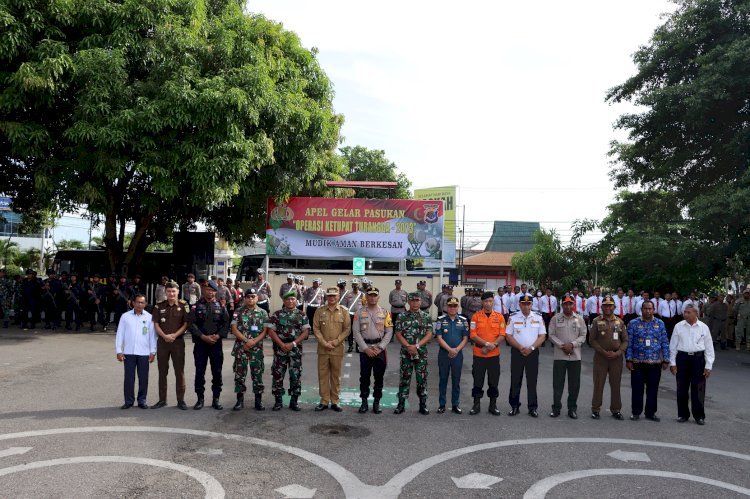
<point>331,326</point>
<point>170,323</point>
<point>609,339</point>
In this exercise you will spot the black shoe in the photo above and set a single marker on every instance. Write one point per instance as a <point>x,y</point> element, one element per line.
<point>682,420</point>
<point>350,349</point>
<point>215,404</point>
<point>181,405</point>
<point>514,412</point>
<point>572,415</point>
<point>492,409</point>
<point>376,406</point>
<point>400,408</point>
<point>142,405</point>
<point>423,409</point>
<point>364,407</point>
<point>476,407</point>
<point>126,406</point>
<point>595,415</point>
<point>321,407</point>
<point>441,409</point>
<point>554,414</point>
<point>618,416</point>
<point>457,410</point>
<point>277,405</point>
<point>701,422</point>
<point>240,404</point>
<point>533,413</point>
<point>654,418</point>
<point>336,408</point>
<point>259,402</point>
<point>198,405</point>
<point>634,417</point>
<point>293,405</point>
<point>159,405</point>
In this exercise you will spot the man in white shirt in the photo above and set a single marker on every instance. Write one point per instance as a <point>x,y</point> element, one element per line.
<point>691,359</point>
<point>629,302</point>
<point>594,304</point>
<point>547,307</point>
<point>525,333</point>
<point>639,303</point>
<point>502,302</point>
<point>135,346</point>
<point>668,312</point>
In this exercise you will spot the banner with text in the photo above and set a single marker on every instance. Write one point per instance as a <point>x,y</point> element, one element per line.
<point>371,228</point>
<point>448,196</point>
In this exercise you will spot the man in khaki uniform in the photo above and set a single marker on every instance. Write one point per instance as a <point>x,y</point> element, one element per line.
<point>372,329</point>
<point>170,324</point>
<point>742,327</point>
<point>609,339</point>
<point>331,326</point>
<point>567,332</point>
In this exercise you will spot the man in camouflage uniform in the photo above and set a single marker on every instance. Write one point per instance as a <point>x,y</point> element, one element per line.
<point>288,328</point>
<point>6,298</point>
<point>353,301</point>
<point>247,328</point>
<point>413,330</point>
<point>263,289</point>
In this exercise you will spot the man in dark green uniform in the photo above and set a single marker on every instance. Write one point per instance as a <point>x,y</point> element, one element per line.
<point>413,330</point>
<point>247,328</point>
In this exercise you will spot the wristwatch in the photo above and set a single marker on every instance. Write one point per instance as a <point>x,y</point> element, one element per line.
<point>533,348</point>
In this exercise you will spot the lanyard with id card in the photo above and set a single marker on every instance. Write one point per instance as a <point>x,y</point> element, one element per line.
<point>145,328</point>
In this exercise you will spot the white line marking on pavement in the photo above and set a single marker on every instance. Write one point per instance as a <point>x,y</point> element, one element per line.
<point>476,481</point>
<point>348,364</point>
<point>351,485</point>
<point>296,491</point>
<point>346,375</point>
<point>213,488</point>
<point>540,489</point>
<point>630,456</point>
<point>12,451</point>
<point>210,452</point>
<point>349,355</point>
<point>400,480</point>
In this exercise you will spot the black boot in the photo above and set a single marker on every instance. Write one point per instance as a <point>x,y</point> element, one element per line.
<point>198,405</point>
<point>259,402</point>
<point>376,406</point>
<point>364,407</point>
<point>475,408</point>
<point>277,405</point>
<point>400,407</point>
<point>215,404</point>
<point>423,406</point>
<point>240,402</point>
<point>493,407</point>
<point>293,404</point>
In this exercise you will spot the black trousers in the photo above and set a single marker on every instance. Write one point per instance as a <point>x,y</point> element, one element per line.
<point>691,383</point>
<point>372,366</point>
<point>489,367</point>
<point>202,353</point>
<point>628,318</point>
<point>311,313</point>
<point>518,365</point>
<point>647,375</point>
<point>561,368</point>
<point>132,364</point>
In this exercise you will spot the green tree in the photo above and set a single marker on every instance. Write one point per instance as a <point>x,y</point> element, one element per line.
<point>162,113</point>
<point>692,139</point>
<point>364,164</point>
<point>551,265</point>
<point>74,244</point>
<point>8,252</point>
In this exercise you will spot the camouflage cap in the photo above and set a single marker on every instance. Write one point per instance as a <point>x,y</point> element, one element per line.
<point>414,296</point>
<point>289,294</point>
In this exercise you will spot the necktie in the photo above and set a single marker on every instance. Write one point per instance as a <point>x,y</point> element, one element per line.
<point>670,310</point>
<point>575,304</point>
<point>549,303</point>
<point>631,304</point>
<point>597,304</point>
<point>502,306</point>
<point>621,314</point>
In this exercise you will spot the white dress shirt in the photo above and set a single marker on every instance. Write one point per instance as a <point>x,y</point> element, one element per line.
<point>678,304</point>
<point>621,306</point>
<point>546,303</point>
<point>591,305</point>
<point>695,338</point>
<point>638,306</point>
<point>525,329</point>
<point>132,338</point>
<point>502,303</point>
<point>668,309</point>
<point>580,307</point>
<point>696,303</point>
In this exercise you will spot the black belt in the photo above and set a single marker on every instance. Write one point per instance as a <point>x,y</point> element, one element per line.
<point>372,342</point>
<point>699,353</point>
<point>314,306</point>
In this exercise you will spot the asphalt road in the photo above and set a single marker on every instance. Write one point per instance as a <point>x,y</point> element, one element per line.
<point>62,434</point>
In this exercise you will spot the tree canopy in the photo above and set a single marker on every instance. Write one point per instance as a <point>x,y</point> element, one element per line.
<point>364,164</point>
<point>166,113</point>
<point>692,141</point>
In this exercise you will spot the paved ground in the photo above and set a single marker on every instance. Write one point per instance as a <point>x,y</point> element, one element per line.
<point>62,434</point>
